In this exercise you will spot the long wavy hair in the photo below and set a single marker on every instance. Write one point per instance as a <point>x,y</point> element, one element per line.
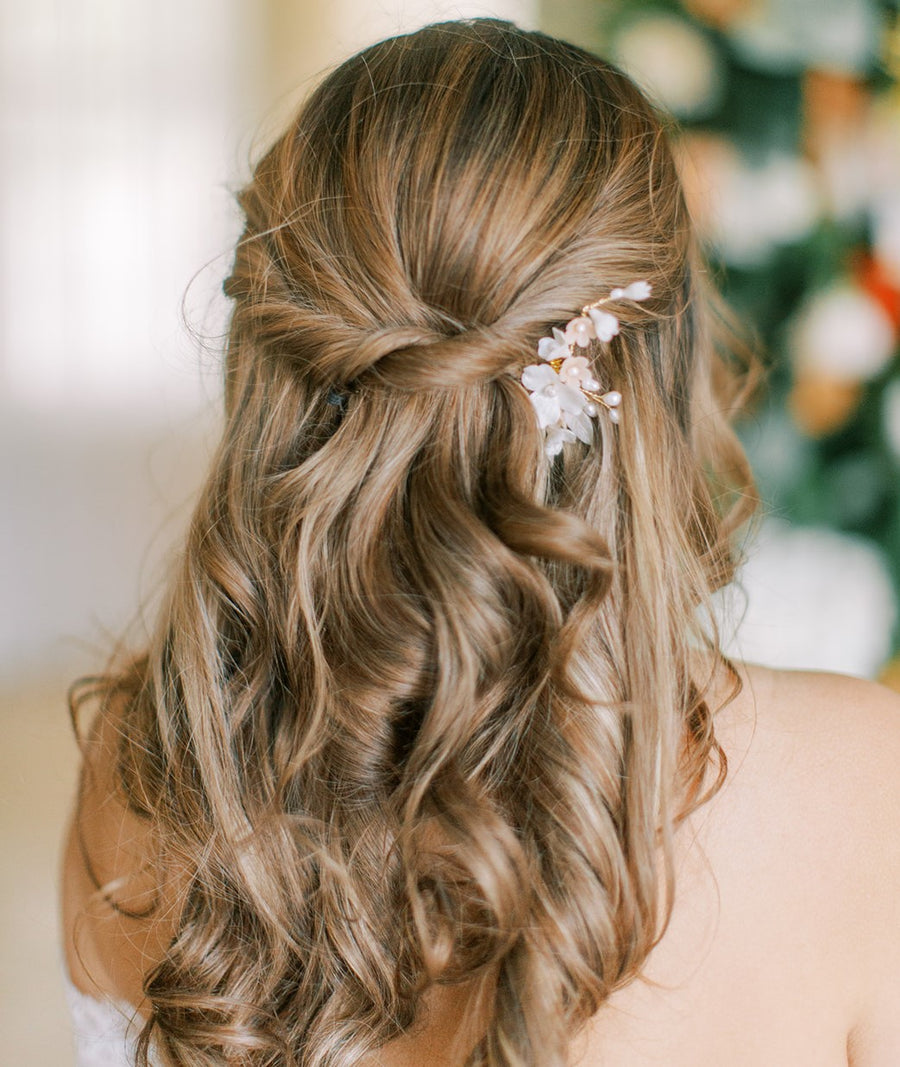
<point>422,705</point>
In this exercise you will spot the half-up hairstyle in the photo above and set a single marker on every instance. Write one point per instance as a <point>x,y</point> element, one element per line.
<point>422,705</point>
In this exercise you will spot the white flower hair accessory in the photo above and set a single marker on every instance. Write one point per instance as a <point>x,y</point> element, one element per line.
<point>563,392</point>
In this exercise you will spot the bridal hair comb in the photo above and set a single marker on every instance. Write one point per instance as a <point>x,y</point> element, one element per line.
<point>563,392</point>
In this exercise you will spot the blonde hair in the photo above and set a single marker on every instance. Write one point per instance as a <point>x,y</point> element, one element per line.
<point>421,703</point>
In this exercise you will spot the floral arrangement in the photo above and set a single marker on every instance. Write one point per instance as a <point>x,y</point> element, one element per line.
<point>563,391</point>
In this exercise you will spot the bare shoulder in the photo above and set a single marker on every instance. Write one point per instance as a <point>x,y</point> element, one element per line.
<point>816,757</point>
<point>828,698</point>
<point>838,736</point>
<point>784,939</point>
<point>110,892</point>
<point>826,748</point>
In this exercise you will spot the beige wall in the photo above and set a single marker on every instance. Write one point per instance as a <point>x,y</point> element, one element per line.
<point>117,190</point>
<point>303,38</point>
<point>124,128</point>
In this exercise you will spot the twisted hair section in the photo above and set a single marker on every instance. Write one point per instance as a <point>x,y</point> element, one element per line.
<point>422,707</point>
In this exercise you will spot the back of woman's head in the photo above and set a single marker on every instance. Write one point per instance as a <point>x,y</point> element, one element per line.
<point>422,705</point>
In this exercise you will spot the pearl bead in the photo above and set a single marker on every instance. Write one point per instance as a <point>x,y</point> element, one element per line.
<point>573,369</point>
<point>590,409</point>
<point>581,330</point>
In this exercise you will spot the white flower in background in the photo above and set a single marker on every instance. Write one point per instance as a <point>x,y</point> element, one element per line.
<point>810,597</point>
<point>844,168</point>
<point>786,35</point>
<point>843,333</point>
<point>859,165</point>
<point>753,209</point>
<point>891,415</point>
<point>788,197</point>
<point>885,219</point>
<point>883,158</point>
<point>673,61</point>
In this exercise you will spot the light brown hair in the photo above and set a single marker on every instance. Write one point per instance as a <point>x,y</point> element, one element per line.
<point>421,704</point>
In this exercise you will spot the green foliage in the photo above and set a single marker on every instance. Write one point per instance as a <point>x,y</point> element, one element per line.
<point>782,93</point>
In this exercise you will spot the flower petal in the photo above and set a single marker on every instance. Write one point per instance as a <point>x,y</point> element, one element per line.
<point>580,331</point>
<point>606,325</point>
<point>555,347</point>
<point>574,370</point>
<point>634,291</point>
<point>539,376</point>
<point>547,409</point>
<point>549,348</point>
<point>580,425</point>
<point>556,438</point>
<point>570,398</point>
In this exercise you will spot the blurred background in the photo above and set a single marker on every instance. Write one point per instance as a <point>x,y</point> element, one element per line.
<point>126,128</point>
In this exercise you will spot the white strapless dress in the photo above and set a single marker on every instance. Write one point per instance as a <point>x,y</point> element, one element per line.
<point>104,1030</point>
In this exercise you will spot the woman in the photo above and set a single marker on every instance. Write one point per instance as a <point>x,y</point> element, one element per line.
<point>425,761</point>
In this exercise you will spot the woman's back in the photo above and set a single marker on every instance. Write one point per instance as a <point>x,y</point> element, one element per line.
<point>422,712</point>
<point>784,941</point>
